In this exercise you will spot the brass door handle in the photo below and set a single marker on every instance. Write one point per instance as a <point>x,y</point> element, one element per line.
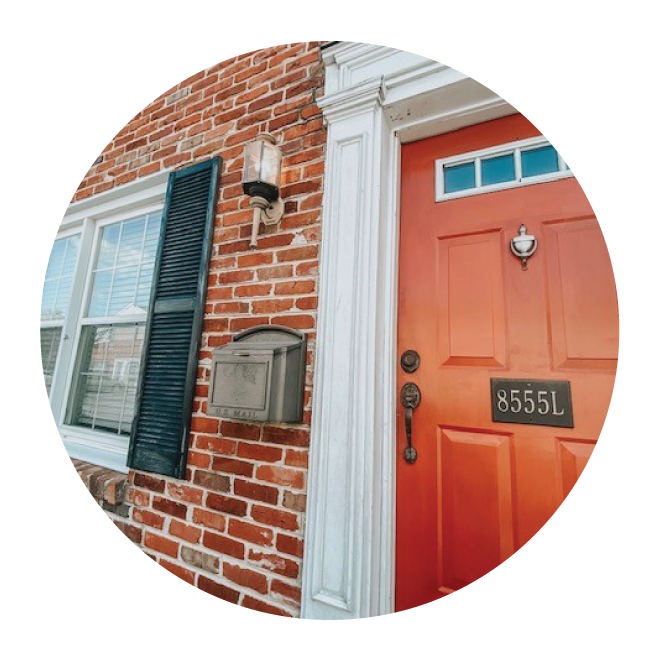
<point>410,399</point>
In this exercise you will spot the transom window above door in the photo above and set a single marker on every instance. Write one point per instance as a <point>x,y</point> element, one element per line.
<point>520,163</point>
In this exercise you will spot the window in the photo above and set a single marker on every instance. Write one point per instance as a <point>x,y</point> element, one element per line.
<point>506,166</point>
<point>112,329</point>
<point>93,314</point>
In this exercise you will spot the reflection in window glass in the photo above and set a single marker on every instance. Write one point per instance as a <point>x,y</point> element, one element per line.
<point>539,161</point>
<point>497,169</point>
<point>50,343</point>
<point>459,177</point>
<point>59,278</point>
<point>121,280</point>
<point>106,379</point>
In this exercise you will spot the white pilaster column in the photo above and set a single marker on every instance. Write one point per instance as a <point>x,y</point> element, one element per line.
<point>348,552</point>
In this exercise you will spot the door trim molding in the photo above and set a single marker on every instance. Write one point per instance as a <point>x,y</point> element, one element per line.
<point>376,99</point>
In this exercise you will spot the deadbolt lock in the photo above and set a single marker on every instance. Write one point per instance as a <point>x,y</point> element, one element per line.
<point>410,361</point>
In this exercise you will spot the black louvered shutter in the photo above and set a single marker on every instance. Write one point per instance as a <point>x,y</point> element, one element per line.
<point>159,435</point>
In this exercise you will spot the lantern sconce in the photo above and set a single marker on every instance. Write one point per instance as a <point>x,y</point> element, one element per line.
<point>262,171</point>
<point>524,245</point>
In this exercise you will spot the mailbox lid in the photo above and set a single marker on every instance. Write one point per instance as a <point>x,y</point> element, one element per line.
<point>256,348</point>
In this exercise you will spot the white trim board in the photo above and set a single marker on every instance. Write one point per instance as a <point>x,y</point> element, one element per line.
<point>376,99</point>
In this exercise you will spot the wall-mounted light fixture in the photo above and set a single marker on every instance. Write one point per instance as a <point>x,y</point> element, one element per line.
<point>262,171</point>
<point>524,245</point>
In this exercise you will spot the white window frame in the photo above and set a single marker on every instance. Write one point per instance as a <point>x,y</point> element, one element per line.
<point>515,148</point>
<point>88,217</point>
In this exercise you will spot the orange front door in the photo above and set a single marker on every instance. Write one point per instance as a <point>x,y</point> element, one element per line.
<point>480,489</point>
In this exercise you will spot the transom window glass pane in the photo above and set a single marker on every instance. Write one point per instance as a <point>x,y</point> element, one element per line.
<point>121,280</point>
<point>59,278</point>
<point>539,161</point>
<point>50,343</point>
<point>459,177</point>
<point>497,169</point>
<point>106,381</point>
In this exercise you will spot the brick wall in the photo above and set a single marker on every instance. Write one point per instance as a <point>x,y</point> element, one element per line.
<point>234,527</point>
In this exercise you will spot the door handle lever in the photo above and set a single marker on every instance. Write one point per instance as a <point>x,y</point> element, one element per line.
<point>410,399</point>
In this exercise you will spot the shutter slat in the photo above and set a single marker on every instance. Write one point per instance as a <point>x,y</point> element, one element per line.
<point>169,364</point>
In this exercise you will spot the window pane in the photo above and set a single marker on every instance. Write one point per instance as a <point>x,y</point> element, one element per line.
<point>105,385</point>
<point>459,177</point>
<point>124,267</point>
<point>50,344</point>
<point>539,161</point>
<point>497,170</point>
<point>59,278</point>
<point>108,248</point>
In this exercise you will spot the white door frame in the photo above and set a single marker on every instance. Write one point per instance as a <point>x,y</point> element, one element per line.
<point>376,98</point>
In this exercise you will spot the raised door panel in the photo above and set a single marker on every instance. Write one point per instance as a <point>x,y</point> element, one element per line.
<point>582,295</point>
<point>472,329</point>
<point>573,456</point>
<point>475,505</point>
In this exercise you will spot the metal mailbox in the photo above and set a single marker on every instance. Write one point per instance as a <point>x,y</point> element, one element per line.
<point>259,376</point>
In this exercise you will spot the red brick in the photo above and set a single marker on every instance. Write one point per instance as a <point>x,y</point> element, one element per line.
<point>217,482</point>
<point>259,452</point>
<point>295,437</point>
<point>254,491</point>
<point>204,425</point>
<point>149,482</point>
<point>298,254</point>
<point>274,517</point>
<point>289,288</point>
<point>253,290</point>
<point>289,545</point>
<point>139,497</point>
<point>199,460</point>
<point>274,563</point>
<point>179,571</point>
<point>222,464</point>
<point>260,606</point>
<point>251,533</point>
<point>272,306</point>
<point>299,321</point>
<point>218,590</point>
<point>170,507</point>
<point>130,531</point>
<point>226,504</point>
<point>224,545</point>
<point>240,430</point>
<point>148,518</point>
<point>245,577</point>
<point>288,591</point>
<point>209,519</point>
<point>185,532</point>
<point>186,493</point>
<point>296,458</point>
<point>161,544</point>
<point>216,444</point>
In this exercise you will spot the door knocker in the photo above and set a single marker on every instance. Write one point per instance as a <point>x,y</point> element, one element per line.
<point>524,245</point>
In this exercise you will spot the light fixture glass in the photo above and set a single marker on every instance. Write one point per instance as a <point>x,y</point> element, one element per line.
<point>262,168</point>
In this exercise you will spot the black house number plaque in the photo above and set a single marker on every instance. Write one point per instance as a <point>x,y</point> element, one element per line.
<point>526,401</point>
